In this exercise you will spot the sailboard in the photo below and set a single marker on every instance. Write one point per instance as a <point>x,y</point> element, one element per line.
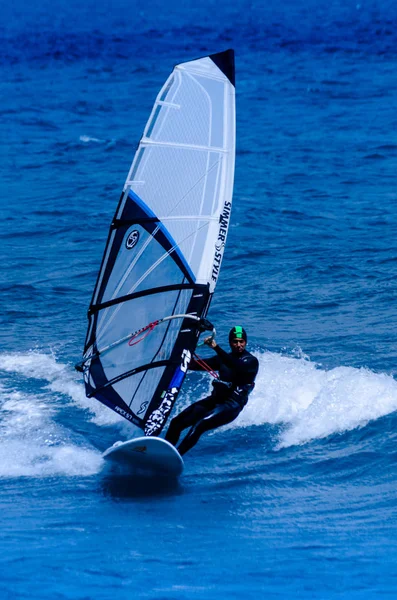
<point>165,247</point>
<point>147,455</point>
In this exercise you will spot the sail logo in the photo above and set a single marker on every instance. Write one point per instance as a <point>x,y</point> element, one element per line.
<point>124,413</point>
<point>142,407</point>
<point>186,358</point>
<point>132,239</point>
<point>220,243</point>
<point>158,416</point>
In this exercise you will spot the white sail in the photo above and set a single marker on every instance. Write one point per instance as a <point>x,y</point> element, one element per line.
<point>165,245</point>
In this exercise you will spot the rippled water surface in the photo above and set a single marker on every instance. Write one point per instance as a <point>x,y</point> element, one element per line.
<point>297,498</point>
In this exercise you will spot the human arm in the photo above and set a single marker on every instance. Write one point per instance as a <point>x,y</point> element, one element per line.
<point>213,362</point>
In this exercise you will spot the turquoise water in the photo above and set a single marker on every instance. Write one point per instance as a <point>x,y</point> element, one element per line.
<point>297,498</point>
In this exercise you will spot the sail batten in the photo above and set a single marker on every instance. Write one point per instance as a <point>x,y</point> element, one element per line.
<point>149,142</point>
<point>165,246</point>
<point>148,292</point>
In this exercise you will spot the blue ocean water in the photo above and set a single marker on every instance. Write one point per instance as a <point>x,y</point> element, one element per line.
<point>297,498</point>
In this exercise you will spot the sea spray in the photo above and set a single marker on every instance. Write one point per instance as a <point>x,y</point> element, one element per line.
<point>33,444</point>
<point>58,377</point>
<point>311,402</point>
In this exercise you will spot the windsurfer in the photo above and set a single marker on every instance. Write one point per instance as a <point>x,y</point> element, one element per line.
<point>237,371</point>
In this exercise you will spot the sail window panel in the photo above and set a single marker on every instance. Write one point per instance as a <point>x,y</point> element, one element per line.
<point>118,321</point>
<point>137,390</point>
<point>191,235</point>
<point>175,325</point>
<point>166,272</point>
<point>155,346</point>
<point>134,268</point>
<point>181,306</point>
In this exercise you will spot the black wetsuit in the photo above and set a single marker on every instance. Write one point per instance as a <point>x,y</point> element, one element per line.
<point>237,374</point>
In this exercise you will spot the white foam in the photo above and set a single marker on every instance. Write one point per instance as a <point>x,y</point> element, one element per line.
<point>30,460</point>
<point>32,444</point>
<point>86,139</point>
<point>309,402</point>
<point>314,403</point>
<point>60,378</point>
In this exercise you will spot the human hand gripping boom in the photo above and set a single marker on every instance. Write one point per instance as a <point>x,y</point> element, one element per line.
<point>210,341</point>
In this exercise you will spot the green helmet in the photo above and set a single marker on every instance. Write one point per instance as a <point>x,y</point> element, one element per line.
<point>237,333</point>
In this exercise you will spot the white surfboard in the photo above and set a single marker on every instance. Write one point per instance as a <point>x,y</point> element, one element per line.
<point>150,454</point>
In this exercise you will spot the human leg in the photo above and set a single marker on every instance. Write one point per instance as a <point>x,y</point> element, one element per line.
<point>220,415</point>
<point>187,418</point>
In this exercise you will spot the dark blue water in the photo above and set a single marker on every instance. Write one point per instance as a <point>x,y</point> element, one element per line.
<point>297,498</point>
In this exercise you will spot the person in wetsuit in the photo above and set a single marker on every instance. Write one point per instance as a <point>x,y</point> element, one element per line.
<point>237,371</point>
